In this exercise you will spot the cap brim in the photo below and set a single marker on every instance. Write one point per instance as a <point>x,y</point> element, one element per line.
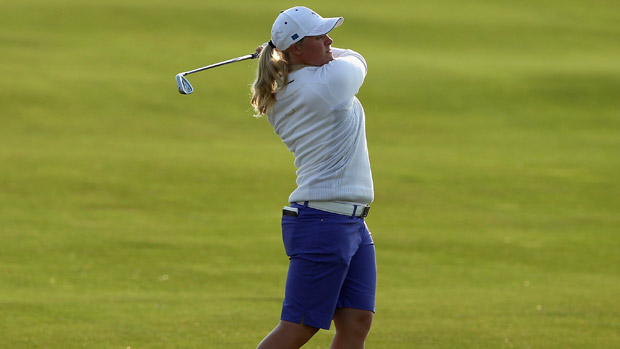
<point>326,26</point>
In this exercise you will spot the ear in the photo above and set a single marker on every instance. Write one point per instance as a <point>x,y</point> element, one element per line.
<point>294,49</point>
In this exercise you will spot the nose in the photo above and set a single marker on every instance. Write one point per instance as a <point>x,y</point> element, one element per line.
<point>328,40</point>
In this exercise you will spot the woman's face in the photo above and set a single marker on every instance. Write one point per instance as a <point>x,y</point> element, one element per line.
<point>315,50</point>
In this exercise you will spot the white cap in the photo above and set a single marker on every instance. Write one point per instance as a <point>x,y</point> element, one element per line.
<point>297,22</point>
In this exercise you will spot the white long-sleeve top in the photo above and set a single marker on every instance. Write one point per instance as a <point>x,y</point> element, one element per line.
<point>321,121</point>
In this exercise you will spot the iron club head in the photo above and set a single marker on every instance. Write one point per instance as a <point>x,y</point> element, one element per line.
<point>183,85</point>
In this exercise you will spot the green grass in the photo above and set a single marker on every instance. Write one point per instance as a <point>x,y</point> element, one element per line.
<point>132,216</point>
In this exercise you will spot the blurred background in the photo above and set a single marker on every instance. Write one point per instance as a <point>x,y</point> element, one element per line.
<point>135,217</point>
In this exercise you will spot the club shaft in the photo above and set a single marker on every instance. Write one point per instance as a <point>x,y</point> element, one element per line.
<point>233,60</point>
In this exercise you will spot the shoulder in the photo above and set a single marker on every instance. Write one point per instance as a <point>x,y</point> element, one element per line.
<point>350,59</point>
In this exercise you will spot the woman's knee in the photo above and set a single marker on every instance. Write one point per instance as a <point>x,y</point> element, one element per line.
<point>288,335</point>
<point>355,321</point>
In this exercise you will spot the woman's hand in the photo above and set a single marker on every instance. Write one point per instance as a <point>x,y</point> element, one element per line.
<point>260,48</point>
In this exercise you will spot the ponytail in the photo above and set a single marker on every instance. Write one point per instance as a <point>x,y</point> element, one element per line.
<point>271,77</point>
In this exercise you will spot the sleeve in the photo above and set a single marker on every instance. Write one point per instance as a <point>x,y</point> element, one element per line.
<point>345,74</point>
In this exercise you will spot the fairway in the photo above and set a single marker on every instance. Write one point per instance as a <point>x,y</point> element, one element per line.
<point>132,216</point>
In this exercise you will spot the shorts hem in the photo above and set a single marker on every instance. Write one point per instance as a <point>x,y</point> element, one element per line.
<point>369,305</point>
<point>303,318</point>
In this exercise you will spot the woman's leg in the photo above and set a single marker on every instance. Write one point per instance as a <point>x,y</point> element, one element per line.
<point>354,312</point>
<point>288,335</point>
<point>352,327</point>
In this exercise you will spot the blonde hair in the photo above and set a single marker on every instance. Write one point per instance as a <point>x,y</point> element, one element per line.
<point>271,77</point>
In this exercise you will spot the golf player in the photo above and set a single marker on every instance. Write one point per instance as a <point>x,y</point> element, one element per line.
<point>306,89</point>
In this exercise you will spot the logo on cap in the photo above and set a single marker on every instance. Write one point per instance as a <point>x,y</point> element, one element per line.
<point>294,36</point>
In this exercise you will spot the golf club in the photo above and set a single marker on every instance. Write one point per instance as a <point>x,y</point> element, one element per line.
<point>186,88</point>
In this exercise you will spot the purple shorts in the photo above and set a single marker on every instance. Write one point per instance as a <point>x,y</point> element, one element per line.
<point>332,265</point>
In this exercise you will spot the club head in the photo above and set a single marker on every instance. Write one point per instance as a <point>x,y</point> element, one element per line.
<point>183,85</point>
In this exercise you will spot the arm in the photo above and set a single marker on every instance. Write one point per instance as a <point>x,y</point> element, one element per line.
<point>345,74</point>
<point>342,53</point>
